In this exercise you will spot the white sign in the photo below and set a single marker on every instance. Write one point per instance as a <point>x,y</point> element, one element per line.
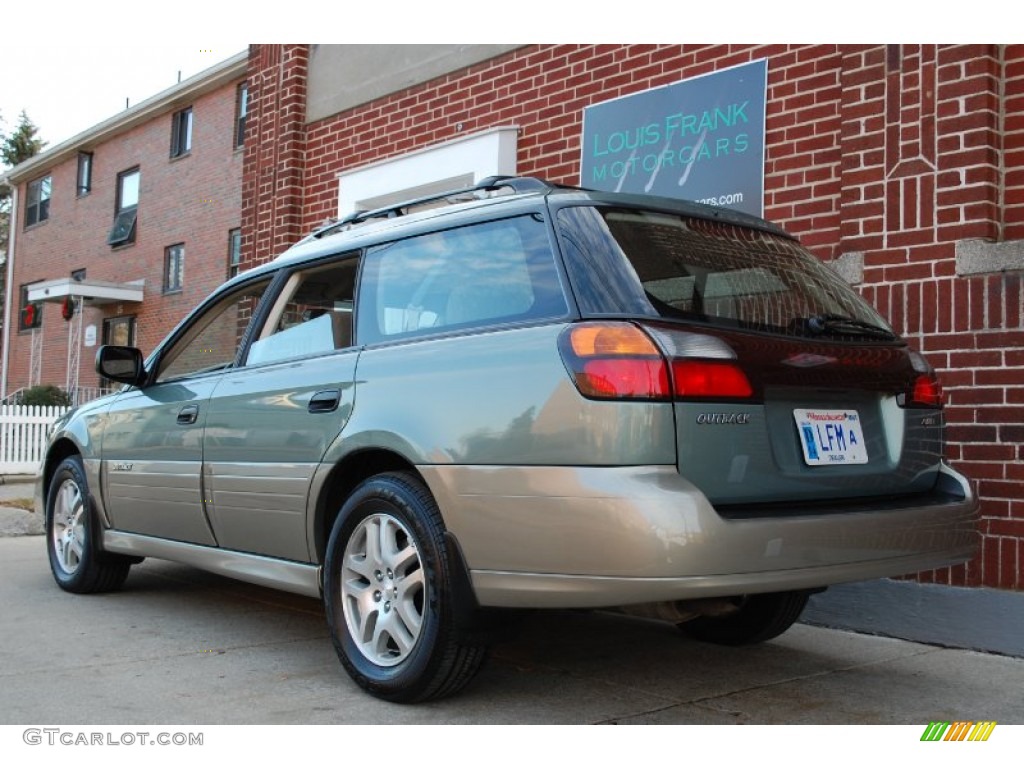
<point>90,336</point>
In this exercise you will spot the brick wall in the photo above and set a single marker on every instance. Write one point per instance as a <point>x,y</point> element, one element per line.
<point>926,141</point>
<point>886,157</point>
<point>275,147</point>
<point>195,200</point>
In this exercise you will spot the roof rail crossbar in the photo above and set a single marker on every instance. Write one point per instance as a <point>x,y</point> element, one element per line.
<point>518,184</point>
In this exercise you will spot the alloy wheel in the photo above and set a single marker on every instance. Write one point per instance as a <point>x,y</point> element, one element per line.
<point>383,590</point>
<point>68,530</point>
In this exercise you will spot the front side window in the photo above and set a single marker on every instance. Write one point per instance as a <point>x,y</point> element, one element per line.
<point>174,268</point>
<point>37,205</point>
<point>234,251</point>
<point>84,184</point>
<point>491,273</point>
<point>241,111</point>
<point>181,133</point>
<point>126,208</point>
<point>211,340</point>
<point>312,316</point>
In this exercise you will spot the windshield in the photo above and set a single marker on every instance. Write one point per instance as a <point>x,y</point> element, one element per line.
<point>678,267</point>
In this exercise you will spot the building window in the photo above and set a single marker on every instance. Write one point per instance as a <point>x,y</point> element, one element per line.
<point>241,110</point>
<point>84,185</point>
<point>126,208</point>
<point>174,268</point>
<point>38,205</point>
<point>181,133</point>
<point>119,331</point>
<point>30,315</point>
<point>234,251</point>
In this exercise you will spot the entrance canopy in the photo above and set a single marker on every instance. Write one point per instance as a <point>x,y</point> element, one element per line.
<point>90,291</point>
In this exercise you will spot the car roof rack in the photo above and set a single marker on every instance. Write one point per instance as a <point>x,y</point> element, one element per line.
<point>518,185</point>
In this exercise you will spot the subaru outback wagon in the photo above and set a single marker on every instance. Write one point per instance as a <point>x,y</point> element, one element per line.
<point>518,395</point>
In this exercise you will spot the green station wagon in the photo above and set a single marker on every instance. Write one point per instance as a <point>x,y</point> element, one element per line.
<point>518,395</point>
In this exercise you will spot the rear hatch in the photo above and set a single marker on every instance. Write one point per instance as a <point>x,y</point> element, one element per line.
<point>788,388</point>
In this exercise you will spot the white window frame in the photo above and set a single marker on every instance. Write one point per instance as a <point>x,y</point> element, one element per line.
<point>459,162</point>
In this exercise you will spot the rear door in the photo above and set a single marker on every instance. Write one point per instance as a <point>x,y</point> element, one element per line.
<point>269,423</point>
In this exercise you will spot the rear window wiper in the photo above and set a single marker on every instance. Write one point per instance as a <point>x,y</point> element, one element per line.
<point>832,323</point>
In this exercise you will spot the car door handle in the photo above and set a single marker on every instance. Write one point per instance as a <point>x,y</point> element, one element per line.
<point>188,414</point>
<point>325,401</point>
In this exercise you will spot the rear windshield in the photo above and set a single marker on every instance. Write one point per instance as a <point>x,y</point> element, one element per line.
<point>654,264</point>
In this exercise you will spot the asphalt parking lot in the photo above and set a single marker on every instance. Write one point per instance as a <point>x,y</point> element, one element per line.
<point>181,646</point>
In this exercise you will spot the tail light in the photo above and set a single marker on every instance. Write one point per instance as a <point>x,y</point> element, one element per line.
<point>615,361</point>
<point>621,361</point>
<point>924,391</point>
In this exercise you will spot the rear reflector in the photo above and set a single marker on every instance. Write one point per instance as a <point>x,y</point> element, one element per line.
<point>624,378</point>
<point>927,392</point>
<point>702,380</point>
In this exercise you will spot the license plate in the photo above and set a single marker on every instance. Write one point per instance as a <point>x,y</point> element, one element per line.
<point>830,437</point>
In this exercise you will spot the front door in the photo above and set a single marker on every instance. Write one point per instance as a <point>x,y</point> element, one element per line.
<point>153,439</point>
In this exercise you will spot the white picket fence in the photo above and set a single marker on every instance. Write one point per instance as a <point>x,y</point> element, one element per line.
<point>23,431</point>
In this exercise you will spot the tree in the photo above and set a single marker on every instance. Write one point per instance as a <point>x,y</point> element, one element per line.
<point>5,206</point>
<point>44,394</point>
<point>15,148</point>
<point>22,144</point>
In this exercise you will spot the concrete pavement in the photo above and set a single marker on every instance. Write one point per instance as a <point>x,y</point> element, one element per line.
<point>181,646</point>
<point>15,521</point>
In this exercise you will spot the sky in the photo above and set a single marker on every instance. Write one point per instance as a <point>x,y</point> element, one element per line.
<point>77,86</point>
<point>71,66</point>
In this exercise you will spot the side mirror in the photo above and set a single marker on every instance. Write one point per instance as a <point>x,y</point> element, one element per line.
<point>122,364</point>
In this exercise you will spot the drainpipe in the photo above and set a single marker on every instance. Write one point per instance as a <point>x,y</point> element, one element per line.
<point>12,228</point>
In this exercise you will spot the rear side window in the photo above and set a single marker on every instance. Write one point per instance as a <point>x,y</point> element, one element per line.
<point>485,274</point>
<point>675,267</point>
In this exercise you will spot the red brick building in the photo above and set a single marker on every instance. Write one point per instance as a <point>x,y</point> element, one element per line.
<point>133,222</point>
<point>902,165</point>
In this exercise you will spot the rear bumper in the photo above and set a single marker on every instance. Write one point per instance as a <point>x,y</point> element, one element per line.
<point>562,537</point>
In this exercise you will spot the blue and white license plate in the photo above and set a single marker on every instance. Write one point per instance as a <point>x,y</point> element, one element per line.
<point>830,437</point>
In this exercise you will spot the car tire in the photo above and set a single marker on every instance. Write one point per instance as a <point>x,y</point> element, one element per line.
<point>389,594</point>
<point>77,563</point>
<point>757,618</point>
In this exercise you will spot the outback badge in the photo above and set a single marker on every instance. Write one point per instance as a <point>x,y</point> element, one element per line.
<point>723,418</point>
